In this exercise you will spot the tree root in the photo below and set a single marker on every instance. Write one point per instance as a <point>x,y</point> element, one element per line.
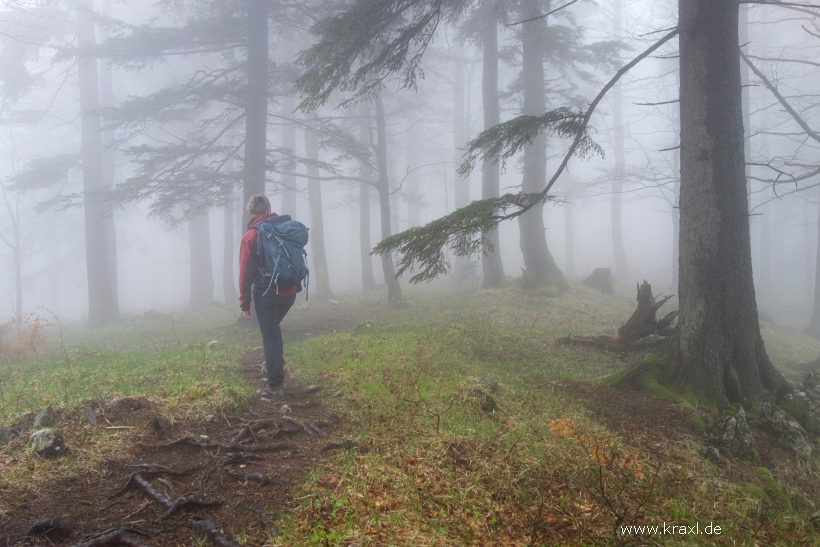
<point>347,443</point>
<point>215,530</point>
<point>116,536</point>
<point>299,424</point>
<point>263,480</point>
<point>228,447</point>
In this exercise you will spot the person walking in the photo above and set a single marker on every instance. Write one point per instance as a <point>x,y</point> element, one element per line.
<point>271,305</point>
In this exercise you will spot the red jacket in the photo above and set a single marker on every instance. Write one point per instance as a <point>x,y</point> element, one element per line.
<point>248,266</point>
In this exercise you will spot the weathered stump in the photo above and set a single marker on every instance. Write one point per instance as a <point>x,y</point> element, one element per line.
<point>601,279</point>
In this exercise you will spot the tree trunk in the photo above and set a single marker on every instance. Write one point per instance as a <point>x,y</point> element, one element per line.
<point>109,167</point>
<point>383,187</point>
<point>813,328</point>
<point>569,237</point>
<point>539,266</point>
<point>289,142</point>
<point>718,348</point>
<point>229,285</point>
<point>201,267</point>
<point>460,113</point>
<point>256,105</point>
<point>365,171</point>
<point>321,276</point>
<point>622,271</point>
<point>102,303</point>
<point>491,261</point>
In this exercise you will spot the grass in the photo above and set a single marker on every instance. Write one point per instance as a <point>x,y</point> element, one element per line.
<point>448,460</point>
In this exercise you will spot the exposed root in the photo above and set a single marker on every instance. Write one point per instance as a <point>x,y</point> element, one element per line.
<point>117,536</point>
<point>347,443</point>
<point>263,480</point>
<point>299,424</point>
<point>227,447</point>
<point>215,530</point>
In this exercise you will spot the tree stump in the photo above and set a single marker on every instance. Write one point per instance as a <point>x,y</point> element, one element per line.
<point>601,279</point>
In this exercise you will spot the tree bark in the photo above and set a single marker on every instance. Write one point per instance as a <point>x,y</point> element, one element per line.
<point>256,105</point>
<point>289,143</point>
<point>622,271</point>
<point>201,268</point>
<point>460,113</point>
<point>539,265</point>
<point>383,187</point>
<point>569,237</point>
<point>229,285</point>
<point>491,261</point>
<point>321,275</point>
<point>365,171</point>
<point>102,303</point>
<point>718,348</point>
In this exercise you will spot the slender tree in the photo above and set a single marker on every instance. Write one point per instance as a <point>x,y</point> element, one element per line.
<point>102,302</point>
<point>256,100</point>
<point>201,265</point>
<point>383,188</point>
<point>321,275</point>
<point>540,267</point>
<point>366,172</point>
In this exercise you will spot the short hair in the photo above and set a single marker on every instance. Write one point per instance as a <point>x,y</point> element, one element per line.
<point>258,205</point>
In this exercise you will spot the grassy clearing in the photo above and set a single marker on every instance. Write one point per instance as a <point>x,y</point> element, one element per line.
<point>451,461</point>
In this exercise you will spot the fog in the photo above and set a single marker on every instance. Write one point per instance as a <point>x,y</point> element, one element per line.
<point>177,153</point>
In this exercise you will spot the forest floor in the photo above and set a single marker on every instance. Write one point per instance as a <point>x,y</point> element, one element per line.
<point>454,420</point>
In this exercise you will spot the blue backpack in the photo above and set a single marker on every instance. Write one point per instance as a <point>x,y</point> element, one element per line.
<point>280,248</point>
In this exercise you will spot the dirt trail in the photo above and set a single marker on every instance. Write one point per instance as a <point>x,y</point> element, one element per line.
<point>232,474</point>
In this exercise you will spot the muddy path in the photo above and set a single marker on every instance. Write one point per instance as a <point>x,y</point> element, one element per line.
<point>224,479</point>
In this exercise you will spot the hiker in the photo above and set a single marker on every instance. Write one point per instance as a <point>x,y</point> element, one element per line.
<point>271,302</point>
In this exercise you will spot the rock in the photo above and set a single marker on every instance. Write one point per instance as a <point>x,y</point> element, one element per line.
<point>5,433</point>
<point>338,393</point>
<point>488,404</point>
<point>212,344</point>
<point>489,383</point>
<point>210,418</point>
<point>285,409</point>
<point>334,418</point>
<point>312,389</point>
<point>89,415</point>
<point>48,444</point>
<point>815,519</point>
<point>789,433</point>
<point>264,392</point>
<point>709,453</point>
<point>731,431</point>
<point>52,529</point>
<point>46,417</point>
<point>804,405</point>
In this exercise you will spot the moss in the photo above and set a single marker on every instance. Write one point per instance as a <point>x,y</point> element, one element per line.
<point>774,490</point>
<point>752,490</point>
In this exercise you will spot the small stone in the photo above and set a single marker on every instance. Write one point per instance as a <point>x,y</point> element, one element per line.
<point>212,344</point>
<point>338,393</point>
<point>46,417</point>
<point>209,418</point>
<point>285,409</point>
<point>815,519</point>
<point>205,437</point>
<point>52,529</point>
<point>47,444</point>
<point>257,348</point>
<point>709,453</point>
<point>89,415</point>
<point>312,389</point>
<point>5,433</point>
<point>333,418</point>
<point>264,392</point>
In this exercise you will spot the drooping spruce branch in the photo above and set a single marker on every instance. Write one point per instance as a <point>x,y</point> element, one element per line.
<point>463,231</point>
<point>422,247</point>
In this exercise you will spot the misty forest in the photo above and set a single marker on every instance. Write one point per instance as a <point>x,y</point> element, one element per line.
<point>558,280</point>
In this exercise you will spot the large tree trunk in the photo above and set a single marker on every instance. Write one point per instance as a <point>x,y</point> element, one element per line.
<point>460,111</point>
<point>718,348</point>
<point>201,268</point>
<point>569,237</point>
<point>491,261</point>
<point>102,303</point>
<point>256,101</point>
<point>383,187</point>
<point>365,171</point>
<point>321,276</point>
<point>622,271</point>
<point>539,266</point>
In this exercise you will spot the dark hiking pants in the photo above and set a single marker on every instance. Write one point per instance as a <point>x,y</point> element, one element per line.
<point>270,310</point>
